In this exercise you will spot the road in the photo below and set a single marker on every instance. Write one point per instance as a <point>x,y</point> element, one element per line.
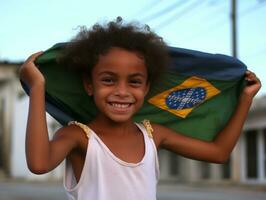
<point>21,190</point>
<point>211,192</point>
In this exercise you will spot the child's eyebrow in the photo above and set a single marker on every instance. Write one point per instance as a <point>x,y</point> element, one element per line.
<point>137,74</point>
<point>107,73</point>
<point>114,74</point>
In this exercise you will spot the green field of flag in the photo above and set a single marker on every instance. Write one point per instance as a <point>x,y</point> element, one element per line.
<point>196,96</point>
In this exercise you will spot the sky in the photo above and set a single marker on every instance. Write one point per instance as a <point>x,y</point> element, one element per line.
<point>28,26</point>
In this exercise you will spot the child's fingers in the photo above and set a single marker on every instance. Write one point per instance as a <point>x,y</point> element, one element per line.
<point>34,56</point>
<point>30,60</point>
<point>250,76</point>
<point>29,63</point>
<point>252,79</point>
<point>253,84</point>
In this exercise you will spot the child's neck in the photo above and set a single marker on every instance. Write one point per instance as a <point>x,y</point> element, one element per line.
<point>101,125</point>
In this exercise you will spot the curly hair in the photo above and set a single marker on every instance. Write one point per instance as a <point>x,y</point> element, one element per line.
<point>84,50</point>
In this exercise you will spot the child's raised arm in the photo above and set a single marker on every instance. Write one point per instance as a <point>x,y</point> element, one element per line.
<point>42,155</point>
<point>217,151</point>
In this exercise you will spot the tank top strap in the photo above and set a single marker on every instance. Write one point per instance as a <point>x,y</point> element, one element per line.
<point>84,127</point>
<point>146,123</point>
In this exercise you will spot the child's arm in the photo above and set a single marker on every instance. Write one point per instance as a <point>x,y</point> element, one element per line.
<point>42,155</point>
<point>218,150</point>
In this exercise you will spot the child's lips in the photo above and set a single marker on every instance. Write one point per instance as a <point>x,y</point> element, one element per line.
<point>120,107</point>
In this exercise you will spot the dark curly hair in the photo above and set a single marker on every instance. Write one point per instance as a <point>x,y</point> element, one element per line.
<point>84,50</point>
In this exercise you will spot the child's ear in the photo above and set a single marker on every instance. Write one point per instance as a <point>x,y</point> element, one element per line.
<point>88,86</point>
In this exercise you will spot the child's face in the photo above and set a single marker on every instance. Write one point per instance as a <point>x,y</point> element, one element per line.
<point>119,84</point>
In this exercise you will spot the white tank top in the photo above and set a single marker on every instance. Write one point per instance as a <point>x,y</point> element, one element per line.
<point>106,177</point>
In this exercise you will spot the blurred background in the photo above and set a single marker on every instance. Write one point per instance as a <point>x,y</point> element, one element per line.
<point>231,27</point>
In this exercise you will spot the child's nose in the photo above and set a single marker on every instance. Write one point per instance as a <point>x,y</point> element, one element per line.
<point>122,89</point>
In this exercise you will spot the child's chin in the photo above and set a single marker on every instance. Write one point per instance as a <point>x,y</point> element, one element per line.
<point>120,119</point>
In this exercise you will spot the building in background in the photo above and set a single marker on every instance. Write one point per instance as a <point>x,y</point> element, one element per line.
<point>8,95</point>
<point>13,119</point>
<point>247,163</point>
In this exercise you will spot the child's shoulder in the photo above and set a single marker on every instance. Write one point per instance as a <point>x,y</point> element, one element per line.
<point>161,133</point>
<point>155,130</point>
<point>74,131</point>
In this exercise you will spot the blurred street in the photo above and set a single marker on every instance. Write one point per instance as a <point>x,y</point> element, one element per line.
<point>210,192</point>
<point>20,190</point>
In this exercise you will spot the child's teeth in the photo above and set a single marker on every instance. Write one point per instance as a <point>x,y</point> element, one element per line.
<point>120,105</point>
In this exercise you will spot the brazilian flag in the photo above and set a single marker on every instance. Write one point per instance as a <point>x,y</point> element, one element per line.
<point>196,95</point>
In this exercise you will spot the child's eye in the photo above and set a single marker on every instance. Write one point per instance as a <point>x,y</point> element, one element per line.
<point>107,81</point>
<point>136,83</point>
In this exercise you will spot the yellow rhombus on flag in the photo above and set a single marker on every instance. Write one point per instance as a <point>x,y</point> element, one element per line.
<point>182,99</point>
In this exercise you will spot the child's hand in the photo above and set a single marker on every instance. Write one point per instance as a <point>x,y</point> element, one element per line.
<point>253,85</point>
<point>29,73</point>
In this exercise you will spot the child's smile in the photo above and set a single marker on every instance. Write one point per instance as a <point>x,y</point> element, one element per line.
<point>119,84</point>
<point>120,107</point>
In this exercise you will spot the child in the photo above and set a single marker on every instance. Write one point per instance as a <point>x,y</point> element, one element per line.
<point>111,157</point>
